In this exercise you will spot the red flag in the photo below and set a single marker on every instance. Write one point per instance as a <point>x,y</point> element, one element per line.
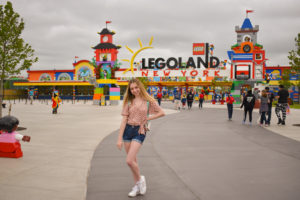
<point>107,22</point>
<point>249,11</point>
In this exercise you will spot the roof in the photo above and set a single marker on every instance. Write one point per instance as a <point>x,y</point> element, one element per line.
<point>106,46</point>
<point>247,24</point>
<point>106,31</point>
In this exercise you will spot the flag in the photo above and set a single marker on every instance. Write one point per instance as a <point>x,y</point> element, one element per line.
<point>249,11</point>
<point>76,57</point>
<point>107,22</point>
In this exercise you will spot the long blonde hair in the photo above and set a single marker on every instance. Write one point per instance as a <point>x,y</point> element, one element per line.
<point>128,97</point>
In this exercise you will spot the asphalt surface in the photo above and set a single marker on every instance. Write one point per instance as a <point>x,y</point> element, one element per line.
<point>198,154</point>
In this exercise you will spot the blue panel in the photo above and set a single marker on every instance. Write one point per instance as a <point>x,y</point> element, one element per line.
<point>114,93</point>
<point>242,56</point>
<point>59,73</point>
<point>230,53</point>
<point>274,74</point>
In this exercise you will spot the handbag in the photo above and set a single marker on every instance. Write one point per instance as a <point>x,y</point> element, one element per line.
<point>148,124</point>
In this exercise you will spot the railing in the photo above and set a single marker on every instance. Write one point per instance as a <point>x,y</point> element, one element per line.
<point>13,99</point>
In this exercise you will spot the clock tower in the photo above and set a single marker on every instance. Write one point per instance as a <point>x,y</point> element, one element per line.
<point>106,50</point>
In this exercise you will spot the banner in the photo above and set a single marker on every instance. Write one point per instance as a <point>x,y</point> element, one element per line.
<point>203,73</point>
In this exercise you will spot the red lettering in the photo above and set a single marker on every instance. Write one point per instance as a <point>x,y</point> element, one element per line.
<point>194,73</point>
<point>144,73</point>
<point>217,73</point>
<point>183,73</point>
<point>155,73</point>
<point>205,73</point>
<point>166,73</point>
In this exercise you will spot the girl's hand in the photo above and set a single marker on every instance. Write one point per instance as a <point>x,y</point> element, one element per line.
<point>142,131</point>
<point>120,144</point>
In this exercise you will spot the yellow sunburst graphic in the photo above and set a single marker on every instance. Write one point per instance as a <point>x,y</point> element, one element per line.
<point>136,53</point>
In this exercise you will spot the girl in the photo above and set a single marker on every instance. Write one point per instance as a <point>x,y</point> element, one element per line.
<point>136,107</point>
<point>263,107</point>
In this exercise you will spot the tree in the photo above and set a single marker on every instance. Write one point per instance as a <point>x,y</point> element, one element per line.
<point>15,54</point>
<point>294,57</point>
<point>285,78</point>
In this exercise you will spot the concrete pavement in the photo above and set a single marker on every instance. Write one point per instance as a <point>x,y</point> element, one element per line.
<point>56,162</point>
<point>198,154</point>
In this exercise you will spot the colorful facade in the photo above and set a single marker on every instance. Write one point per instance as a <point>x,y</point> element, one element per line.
<point>96,79</point>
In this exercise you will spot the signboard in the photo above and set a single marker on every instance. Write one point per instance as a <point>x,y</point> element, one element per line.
<point>274,74</point>
<point>203,73</point>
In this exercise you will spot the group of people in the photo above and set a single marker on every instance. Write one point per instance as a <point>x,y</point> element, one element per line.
<point>265,109</point>
<point>181,99</point>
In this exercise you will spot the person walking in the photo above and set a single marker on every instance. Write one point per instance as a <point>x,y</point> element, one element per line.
<point>230,100</point>
<point>190,99</point>
<point>177,98</point>
<point>263,107</point>
<point>271,98</point>
<point>183,100</point>
<point>282,104</point>
<point>56,101</point>
<point>159,96</point>
<point>248,104</point>
<point>201,99</point>
<point>137,107</point>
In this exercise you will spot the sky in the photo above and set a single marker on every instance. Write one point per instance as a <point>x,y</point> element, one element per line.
<point>59,30</point>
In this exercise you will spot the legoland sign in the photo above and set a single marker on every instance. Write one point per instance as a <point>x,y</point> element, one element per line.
<point>175,67</point>
<point>203,73</point>
<point>173,63</point>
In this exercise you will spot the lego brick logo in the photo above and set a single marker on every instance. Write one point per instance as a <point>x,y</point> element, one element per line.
<point>198,48</point>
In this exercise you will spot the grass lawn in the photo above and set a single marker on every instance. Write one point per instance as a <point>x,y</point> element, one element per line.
<point>295,106</point>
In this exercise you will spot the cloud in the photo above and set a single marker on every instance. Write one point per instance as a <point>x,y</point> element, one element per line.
<point>60,30</point>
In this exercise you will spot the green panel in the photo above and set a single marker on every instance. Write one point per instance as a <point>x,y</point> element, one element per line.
<point>98,91</point>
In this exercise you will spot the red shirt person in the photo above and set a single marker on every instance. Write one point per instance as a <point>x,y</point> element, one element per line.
<point>230,100</point>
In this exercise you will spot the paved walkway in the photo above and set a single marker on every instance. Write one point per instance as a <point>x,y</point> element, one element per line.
<point>198,154</point>
<point>57,161</point>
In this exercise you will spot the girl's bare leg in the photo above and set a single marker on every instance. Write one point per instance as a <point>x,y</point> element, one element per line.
<point>132,149</point>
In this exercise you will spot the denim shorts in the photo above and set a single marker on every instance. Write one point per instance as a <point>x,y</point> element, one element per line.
<point>131,133</point>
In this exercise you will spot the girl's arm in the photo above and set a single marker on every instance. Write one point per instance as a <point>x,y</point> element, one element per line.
<point>122,128</point>
<point>161,113</point>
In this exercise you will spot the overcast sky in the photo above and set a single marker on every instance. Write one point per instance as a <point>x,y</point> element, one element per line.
<point>59,30</point>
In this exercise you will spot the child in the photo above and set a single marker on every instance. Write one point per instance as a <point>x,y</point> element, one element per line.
<point>9,139</point>
<point>55,102</point>
<point>183,100</point>
<point>263,107</point>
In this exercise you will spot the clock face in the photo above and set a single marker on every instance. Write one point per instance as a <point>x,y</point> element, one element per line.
<point>105,39</point>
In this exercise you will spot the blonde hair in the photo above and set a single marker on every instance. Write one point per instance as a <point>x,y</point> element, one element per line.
<point>128,97</point>
<point>264,93</point>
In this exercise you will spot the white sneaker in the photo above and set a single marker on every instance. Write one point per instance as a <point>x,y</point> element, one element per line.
<point>135,191</point>
<point>142,185</point>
